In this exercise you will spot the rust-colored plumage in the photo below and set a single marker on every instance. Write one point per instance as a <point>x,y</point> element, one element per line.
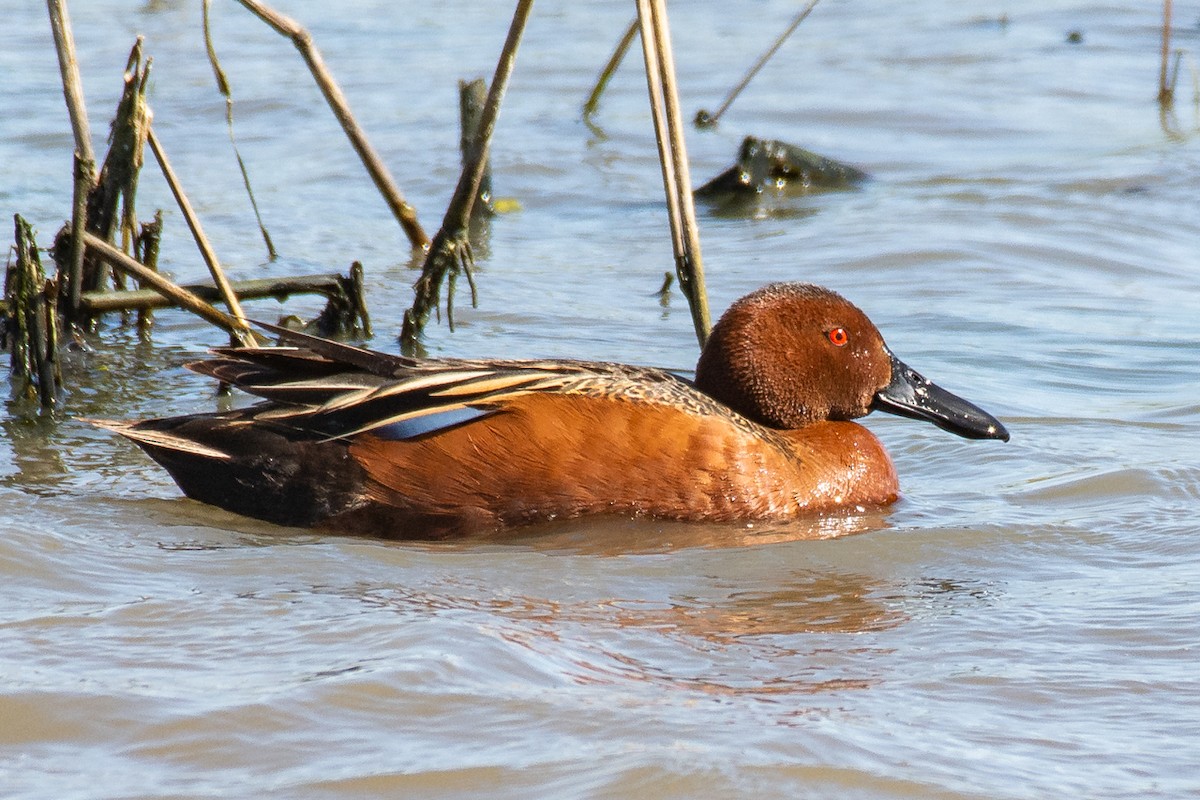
<point>357,441</point>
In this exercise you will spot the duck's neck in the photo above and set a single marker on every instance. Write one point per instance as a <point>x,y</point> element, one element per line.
<point>732,378</point>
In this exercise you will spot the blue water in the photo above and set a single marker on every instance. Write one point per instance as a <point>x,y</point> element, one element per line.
<point>1023,624</point>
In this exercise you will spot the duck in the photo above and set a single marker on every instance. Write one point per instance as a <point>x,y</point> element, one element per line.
<point>350,440</point>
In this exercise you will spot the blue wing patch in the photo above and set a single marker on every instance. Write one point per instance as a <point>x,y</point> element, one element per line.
<point>434,422</point>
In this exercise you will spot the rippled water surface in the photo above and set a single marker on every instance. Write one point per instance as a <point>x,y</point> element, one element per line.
<point>1025,623</point>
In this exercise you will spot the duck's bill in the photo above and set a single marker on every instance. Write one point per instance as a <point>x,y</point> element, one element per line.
<point>910,394</point>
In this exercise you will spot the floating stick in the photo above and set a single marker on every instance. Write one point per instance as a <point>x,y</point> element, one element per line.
<point>145,299</point>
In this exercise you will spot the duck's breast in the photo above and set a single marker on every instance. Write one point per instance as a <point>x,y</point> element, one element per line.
<point>547,456</point>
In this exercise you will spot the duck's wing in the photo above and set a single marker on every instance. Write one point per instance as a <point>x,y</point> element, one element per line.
<point>334,390</point>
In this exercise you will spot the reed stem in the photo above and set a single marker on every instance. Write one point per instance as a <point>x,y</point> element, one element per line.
<point>450,251</point>
<point>226,92</point>
<point>64,45</point>
<point>677,183</point>
<point>242,332</point>
<point>404,213</point>
<point>706,120</point>
<point>614,61</point>
<point>1166,88</point>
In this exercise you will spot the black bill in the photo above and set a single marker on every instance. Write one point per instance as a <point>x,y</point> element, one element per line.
<point>910,394</point>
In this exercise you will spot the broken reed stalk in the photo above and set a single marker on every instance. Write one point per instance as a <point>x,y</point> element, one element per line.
<point>148,277</point>
<point>458,213</point>
<point>677,182</point>
<point>472,98</point>
<point>242,332</point>
<point>84,172</point>
<point>401,209</point>
<point>707,120</point>
<point>1166,90</point>
<point>358,285</point>
<point>145,250</point>
<point>614,61</point>
<point>110,202</point>
<point>84,183</point>
<point>664,291</point>
<point>32,300</point>
<point>450,251</point>
<point>345,312</point>
<point>226,92</point>
<point>64,45</point>
<point>45,326</point>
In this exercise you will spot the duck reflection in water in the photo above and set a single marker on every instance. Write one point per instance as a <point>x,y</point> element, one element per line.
<point>790,627</point>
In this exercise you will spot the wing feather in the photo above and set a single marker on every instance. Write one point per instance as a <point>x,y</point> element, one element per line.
<point>333,390</point>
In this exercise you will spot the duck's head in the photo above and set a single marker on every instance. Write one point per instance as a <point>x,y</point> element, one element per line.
<point>791,354</point>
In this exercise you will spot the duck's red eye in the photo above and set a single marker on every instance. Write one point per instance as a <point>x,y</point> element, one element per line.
<point>838,336</point>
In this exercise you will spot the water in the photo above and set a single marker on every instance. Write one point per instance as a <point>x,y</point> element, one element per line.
<point>1023,624</point>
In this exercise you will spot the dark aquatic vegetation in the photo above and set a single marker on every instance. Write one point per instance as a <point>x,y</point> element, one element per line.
<point>771,166</point>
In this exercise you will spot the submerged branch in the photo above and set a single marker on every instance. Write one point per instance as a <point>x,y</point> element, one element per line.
<point>179,296</point>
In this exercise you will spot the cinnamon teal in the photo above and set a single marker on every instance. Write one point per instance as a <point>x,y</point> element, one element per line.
<point>353,440</point>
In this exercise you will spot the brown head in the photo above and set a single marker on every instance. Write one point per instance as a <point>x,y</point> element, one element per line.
<point>791,354</point>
